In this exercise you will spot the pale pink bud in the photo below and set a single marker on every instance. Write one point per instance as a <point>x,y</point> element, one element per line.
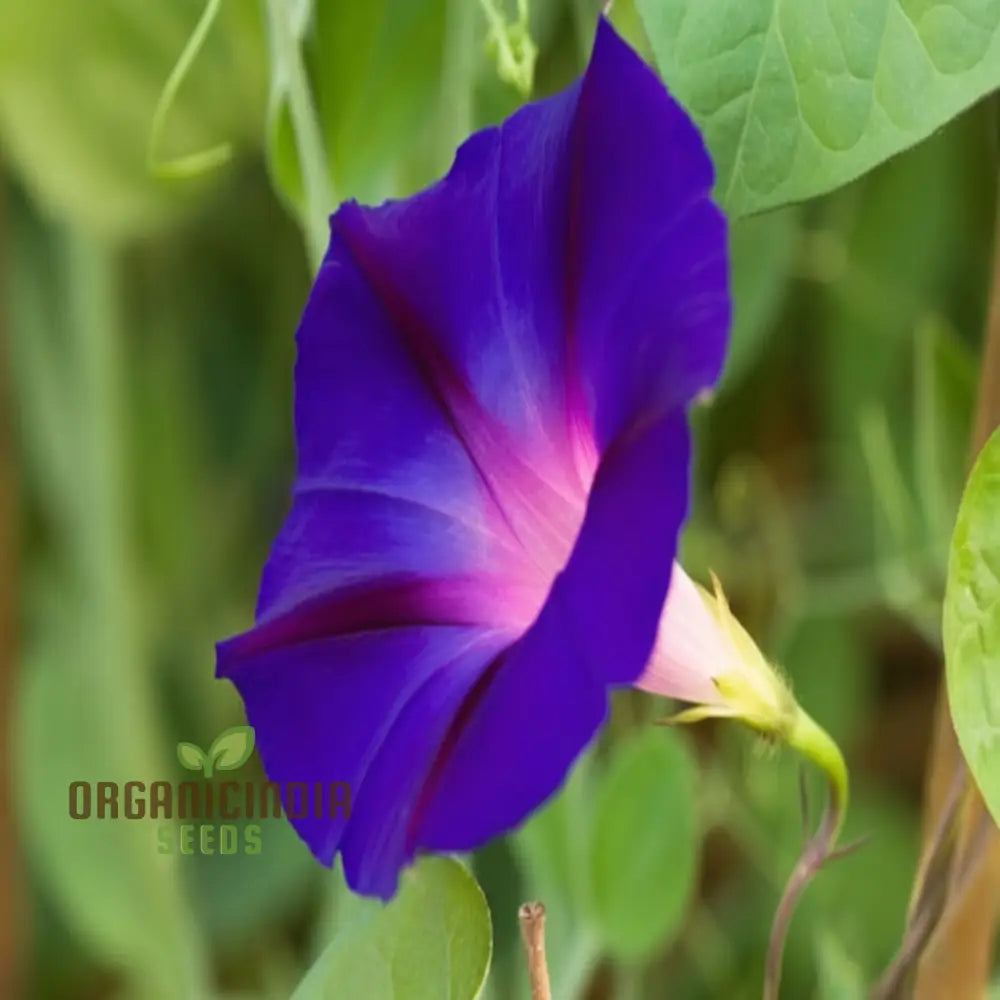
<point>704,656</point>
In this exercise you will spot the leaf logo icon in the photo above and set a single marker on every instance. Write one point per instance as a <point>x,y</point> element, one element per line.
<point>229,750</point>
<point>191,756</point>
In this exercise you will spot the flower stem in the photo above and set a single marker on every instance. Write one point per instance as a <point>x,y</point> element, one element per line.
<point>814,743</point>
<point>320,198</point>
<point>531,917</point>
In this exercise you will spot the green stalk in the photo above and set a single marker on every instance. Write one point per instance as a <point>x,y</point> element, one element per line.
<point>814,743</point>
<point>458,73</point>
<point>191,164</point>
<point>319,193</point>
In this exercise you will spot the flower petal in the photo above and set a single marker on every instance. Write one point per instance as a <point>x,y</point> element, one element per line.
<point>648,283</point>
<point>385,489</point>
<point>567,276</point>
<point>341,709</point>
<point>691,647</point>
<point>597,628</point>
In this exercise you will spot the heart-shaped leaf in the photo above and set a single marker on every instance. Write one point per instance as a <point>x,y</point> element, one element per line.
<point>800,97</point>
<point>232,748</point>
<point>191,756</point>
<point>972,624</point>
<point>433,940</point>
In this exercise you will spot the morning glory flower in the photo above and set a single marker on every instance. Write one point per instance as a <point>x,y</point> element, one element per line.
<point>493,468</point>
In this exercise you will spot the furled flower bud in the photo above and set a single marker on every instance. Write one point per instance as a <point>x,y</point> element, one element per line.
<point>704,656</point>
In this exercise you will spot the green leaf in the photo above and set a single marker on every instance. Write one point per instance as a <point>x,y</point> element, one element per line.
<point>833,675</point>
<point>863,900</point>
<point>644,844</point>
<point>553,850</point>
<point>191,756</point>
<point>232,748</point>
<point>376,67</point>
<point>87,710</point>
<point>972,624</point>
<point>242,896</point>
<point>761,253</point>
<point>796,97</point>
<point>120,897</point>
<point>433,940</point>
<point>944,388</point>
<point>840,977</point>
<point>374,73</point>
<point>79,84</point>
<point>552,845</point>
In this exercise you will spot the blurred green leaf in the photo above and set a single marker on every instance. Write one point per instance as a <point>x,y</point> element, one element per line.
<point>245,897</point>
<point>761,253</point>
<point>432,940</point>
<point>117,893</point>
<point>796,99</point>
<point>552,845</point>
<point>862,898</point>
<point>944,387</point>
<point>553,848</point>
<point>972,625</point>
<point>374,73</point>
<point>644,843</point>
<point>377,73</point>
<point>840,978</point>
<point>500,876</point>
<point>298,156</point>
<point>79,83</point>
<point>833,676</point>
<point>87,711</point>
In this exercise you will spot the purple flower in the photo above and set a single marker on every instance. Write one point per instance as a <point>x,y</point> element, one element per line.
<point>493,458</point>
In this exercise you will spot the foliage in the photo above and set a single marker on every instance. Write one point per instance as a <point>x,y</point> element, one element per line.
<point>971,641</point>
<point>796,99</point>
<point>433,940</point>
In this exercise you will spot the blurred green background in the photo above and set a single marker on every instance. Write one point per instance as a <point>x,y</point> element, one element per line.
<point>146,366</point>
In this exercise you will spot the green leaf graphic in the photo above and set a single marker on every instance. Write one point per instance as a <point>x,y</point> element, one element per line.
<point>797,97</point>
<point>191,756</point>
<point>232,748</point>
<point>972,624</point>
